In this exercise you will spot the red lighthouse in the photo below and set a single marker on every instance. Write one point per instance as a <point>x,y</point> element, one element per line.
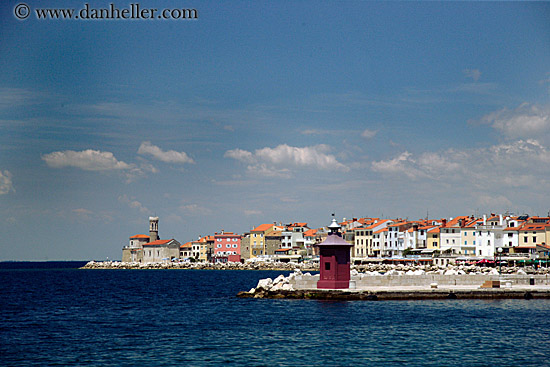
<point>335,260</point>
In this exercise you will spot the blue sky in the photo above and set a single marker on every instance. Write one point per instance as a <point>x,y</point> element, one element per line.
<point>267,111</point>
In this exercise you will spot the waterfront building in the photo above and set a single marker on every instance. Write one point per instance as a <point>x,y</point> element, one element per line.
<point>396,238</point>
<point>160,250</point>
<point>143,248</point>
<point>206,248</point>
<point>379,242</point>
<point>257,239</point>
<point>363,236</point>
<point>273,242</point>
<point>186,250</point>
<point>293,236</point>
<point>468,237</point>
<point>309,240</point>
<point>245,246</point>
<point>490,234</point>
<point>227,245</point>
<point>433,239</point>
<point>196,248</point>
<point>450,234</point>
<point>533,234</point>
<point>134,251</point>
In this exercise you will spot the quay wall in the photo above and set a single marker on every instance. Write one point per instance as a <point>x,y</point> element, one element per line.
<point>306,281</point>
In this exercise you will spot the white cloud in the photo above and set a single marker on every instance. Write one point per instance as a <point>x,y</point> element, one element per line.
<point>402,164</point>
<point>314,156</point>
<point>195,209</point>
<point>240,155</point>
<point>170,156</point>
<point>6,184</point>
<point>82,211</point>
<point>500,203</point>
<point>475,74</point>
<point>89,160</point>
<point>252,212</point>
<point>369,134</point>
<point>276,162</point>
<point>522,163</point>
<point>525,121</point>
<point>133,203</point>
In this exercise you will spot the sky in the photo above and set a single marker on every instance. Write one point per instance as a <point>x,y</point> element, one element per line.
<point>264,111</point>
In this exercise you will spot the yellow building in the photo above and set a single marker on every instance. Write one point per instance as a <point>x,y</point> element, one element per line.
<point>257,239</point>
<point>468,237</point>
<point>533,234</point>
<point>433,239</point>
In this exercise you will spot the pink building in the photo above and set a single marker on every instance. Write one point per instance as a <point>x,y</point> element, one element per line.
<point>227,247</point>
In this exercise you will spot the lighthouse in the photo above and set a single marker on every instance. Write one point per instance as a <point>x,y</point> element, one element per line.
<point>334,263</point>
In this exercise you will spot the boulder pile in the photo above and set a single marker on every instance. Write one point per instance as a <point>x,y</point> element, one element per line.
<point>359,270</point>
<point>306,266</point>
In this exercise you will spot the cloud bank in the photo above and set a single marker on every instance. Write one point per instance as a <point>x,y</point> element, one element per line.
<point>6,184</point>
<point>88,160</point>
<point>279,160</point>
<point>171,156</point>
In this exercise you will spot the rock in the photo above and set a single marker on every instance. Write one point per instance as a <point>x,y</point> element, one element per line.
<point>287,287</point>
<point>265,283</point>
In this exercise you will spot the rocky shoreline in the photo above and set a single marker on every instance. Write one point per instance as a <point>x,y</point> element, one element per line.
<point>367,269</point>
<point>201,266</point>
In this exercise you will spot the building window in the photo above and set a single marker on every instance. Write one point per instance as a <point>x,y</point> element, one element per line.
<point>228,245</point>
<point>235,245</point>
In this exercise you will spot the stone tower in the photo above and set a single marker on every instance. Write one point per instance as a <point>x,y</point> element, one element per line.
<point>153,229</point>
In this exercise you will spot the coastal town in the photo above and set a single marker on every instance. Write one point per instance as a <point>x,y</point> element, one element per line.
<point>492,239</point>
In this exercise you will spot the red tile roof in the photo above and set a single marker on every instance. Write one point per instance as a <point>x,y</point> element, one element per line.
<point>157,243</point>
<point>186,245</point>
<point>140,236</point>
<point>262,228</point>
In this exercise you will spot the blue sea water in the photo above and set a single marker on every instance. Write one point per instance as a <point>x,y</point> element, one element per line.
<point>61,316</point>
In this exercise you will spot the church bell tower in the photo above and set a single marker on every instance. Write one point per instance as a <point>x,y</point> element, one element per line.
<point>153,229</point>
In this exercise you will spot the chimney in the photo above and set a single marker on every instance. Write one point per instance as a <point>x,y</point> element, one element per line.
<point>500,219</point>
<point>444,223</point>
<point>484,219</point>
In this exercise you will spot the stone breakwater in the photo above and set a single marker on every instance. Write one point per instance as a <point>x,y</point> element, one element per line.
<point>201,266</point>
<point>450,282</point>
<point>366,269</point>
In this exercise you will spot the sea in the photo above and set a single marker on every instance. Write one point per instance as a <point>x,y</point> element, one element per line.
<point>52,313</point>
